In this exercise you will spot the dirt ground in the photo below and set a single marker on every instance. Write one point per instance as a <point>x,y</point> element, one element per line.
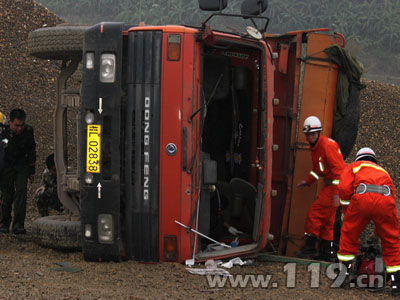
<point>28,271</point>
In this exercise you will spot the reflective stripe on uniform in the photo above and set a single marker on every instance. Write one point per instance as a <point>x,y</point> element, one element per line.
<point>335,181</point>
<point>356,169</point>
<point>344,202</point>
<point>392,269</point>
<point>321,165</point>
<point>315,175</point>
<point>345,257</point>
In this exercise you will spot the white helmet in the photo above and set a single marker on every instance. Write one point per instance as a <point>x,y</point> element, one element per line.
<point>312,124</point>
<point>365,153</point>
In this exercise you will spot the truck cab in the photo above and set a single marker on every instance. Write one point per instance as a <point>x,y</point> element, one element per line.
<point>182,146</point>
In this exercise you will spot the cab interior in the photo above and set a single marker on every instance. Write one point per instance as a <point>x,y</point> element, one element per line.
<point>231,148</point>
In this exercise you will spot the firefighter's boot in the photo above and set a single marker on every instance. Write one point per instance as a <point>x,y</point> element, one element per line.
<point>346,274</point>
<point>308,250</point>
<point>395,276</point>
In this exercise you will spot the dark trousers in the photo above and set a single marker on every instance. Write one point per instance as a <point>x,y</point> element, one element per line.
<point>44,202</point>
<point>14,189</point>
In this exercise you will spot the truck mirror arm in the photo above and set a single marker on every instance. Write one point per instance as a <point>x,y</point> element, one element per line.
<point>251,17</point>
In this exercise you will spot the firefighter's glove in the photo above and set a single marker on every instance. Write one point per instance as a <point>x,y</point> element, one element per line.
<point>302,184</point>
<point>234,231</point>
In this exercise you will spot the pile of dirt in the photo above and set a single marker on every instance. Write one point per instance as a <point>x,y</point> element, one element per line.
<point>378,127</point>
<point>380,108</point>
<point>27,82</point>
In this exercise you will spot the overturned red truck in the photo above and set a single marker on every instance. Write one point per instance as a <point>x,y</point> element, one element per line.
<point>187,133</point>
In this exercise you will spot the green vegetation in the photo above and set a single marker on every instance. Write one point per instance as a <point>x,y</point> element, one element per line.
<point>372,27</point>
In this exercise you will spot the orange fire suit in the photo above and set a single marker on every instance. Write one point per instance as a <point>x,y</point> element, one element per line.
<point>327,162</point>
<point>367,206</point>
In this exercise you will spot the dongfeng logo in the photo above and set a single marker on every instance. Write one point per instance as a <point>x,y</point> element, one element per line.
<point>146,149</point>
<point>171,149</point>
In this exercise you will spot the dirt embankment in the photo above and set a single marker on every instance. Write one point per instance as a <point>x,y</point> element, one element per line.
<point>378,128</point>
<point>28,271</point>
<point>27,82</point>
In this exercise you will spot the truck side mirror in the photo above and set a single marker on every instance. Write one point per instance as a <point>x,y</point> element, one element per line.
<point>213,5</point>
<point>209,172</point>
<point>254,7</point>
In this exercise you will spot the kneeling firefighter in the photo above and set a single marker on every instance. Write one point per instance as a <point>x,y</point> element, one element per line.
<point>370,195</point>
<point>327,162</point>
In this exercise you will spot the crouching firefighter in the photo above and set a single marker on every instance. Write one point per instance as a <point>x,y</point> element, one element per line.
<point>368,190</point>
<point>327,162</point>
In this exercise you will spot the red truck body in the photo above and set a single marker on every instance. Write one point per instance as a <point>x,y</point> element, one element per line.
<point>180,124</point>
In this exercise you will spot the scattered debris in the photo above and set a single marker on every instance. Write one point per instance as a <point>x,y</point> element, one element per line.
<point>66,267</point>
<point>211,269</point>
<point>233,262</point>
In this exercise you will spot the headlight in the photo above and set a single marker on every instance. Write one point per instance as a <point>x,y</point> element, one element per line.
<point>89,178</point>
<point>88,231</point>
<point>89,117</point>
<point>105,228</point>
<point>107,68</point>
<point>89,60</point>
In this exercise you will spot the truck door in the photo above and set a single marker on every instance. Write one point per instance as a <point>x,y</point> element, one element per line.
<point>318,98</point>
<point>305,84</point>
<point>236,135</point>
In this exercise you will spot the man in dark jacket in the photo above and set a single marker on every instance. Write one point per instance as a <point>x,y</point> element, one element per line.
<point>20,159</point>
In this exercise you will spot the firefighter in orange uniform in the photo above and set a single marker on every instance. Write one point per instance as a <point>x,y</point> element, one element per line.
<point>328,163</point>
<point>368,191</point>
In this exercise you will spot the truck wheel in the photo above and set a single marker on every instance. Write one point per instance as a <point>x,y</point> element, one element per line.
<point>57,232</point>
<point>57,43</point>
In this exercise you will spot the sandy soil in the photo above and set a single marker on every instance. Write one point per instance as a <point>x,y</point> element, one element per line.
<point>28,271</point>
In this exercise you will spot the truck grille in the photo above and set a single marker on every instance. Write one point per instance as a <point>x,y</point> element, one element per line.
<point>142,145</point>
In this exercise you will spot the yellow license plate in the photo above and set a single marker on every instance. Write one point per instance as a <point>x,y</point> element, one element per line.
<point>93,149</point>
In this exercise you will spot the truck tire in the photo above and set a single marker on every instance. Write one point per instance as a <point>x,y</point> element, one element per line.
<point>57,43</point>
<point>57,232</point>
